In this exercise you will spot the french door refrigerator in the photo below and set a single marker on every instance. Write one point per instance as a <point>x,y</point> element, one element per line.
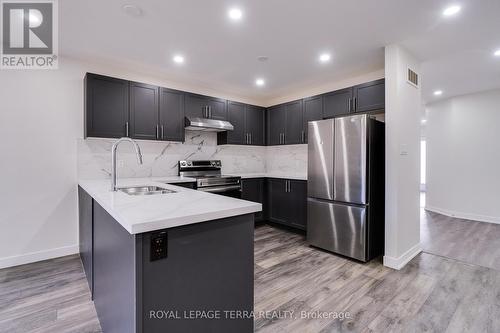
<point>345,185</point>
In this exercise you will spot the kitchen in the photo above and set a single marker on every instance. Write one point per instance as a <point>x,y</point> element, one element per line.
<point>191,192</point>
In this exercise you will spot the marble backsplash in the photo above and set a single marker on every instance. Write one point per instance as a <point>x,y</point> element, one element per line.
<point>160,158</point>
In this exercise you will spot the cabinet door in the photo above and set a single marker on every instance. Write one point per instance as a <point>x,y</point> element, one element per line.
<point>278,207</point>
<point>337,103</point>
<point>196,106</point>
<point>313,110</point>
<point>236,116</point>
<point>369,96</point>
<point>217,108</point>
<point>294,133</point>
<point>106,106</point>
<point>171,115</point>
<point>297,202</point>
<point>253,190</point>
<point>254,120</point>
<point>276,124</point>
<point>86,234</point>
<point>144,111</point>
<point>205,107</point>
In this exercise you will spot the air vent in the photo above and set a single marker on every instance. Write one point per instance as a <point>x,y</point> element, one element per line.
<point>412,78</point>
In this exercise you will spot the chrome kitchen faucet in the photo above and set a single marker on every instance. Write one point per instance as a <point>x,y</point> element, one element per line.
<point>113,159</point>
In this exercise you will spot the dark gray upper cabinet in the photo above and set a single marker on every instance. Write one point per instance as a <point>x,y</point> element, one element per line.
<point>337,103</point>
<point>144,111</point>
<point>294,133</point>
<point>276,125</point>
<point>106,106</point>
<point>313,110</point>
<point>248,122</point>
<point>171,115</point>
<point>253,190</point>
<point>369,96</point>
<point>255,124</point>
<point>205,107</point>
<point>236,116</point>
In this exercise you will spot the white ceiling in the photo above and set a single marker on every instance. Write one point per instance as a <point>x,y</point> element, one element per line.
<point>222,54</point>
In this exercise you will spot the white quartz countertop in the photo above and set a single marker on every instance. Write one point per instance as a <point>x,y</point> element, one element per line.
<point>270,175</point>
<point>145,213</point>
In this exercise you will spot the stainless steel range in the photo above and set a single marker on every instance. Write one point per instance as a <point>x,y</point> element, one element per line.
<point>209,178</point>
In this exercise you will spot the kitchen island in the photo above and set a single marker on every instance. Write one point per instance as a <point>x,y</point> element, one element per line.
<point>174,262</point>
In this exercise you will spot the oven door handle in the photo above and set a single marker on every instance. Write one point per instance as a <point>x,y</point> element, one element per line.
<point>219,189</point>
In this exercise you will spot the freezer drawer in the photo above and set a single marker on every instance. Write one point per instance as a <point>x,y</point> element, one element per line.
<point>320,159</point>
<point>337,228</point>
<point>350,159</point>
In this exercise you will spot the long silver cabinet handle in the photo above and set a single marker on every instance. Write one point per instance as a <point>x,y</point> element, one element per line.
<point>162,132</point>
<point>126,129</point>
<point>157,131</point>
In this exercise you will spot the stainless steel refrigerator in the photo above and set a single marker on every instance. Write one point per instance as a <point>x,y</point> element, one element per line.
<point>345,186</point>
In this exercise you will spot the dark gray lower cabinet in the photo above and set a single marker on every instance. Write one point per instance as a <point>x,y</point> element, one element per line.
<point>205,266</point>
<point>298,203</point>
<point>287,202</point>
<point>253,190</point>
<point>86,234</point>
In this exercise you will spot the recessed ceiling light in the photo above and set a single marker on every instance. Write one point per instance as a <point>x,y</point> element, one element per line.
<point>132,10</point>
<point>235,14</point>
<point>423,121</point>
<point>497,53</point>
<point>260,82</point>
<point>451,10</point>
<point>438,93</point>
<point>325,57</point>
<point>178,59</point>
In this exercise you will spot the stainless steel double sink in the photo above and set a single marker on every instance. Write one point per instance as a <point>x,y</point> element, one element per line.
<point>145,190</point>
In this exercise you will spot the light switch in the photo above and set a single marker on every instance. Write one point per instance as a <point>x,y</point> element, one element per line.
<point>403,150</point>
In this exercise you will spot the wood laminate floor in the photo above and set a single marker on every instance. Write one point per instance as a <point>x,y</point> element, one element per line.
<point>431,294</point>
<point>473,242</point>
<point>49,296</point>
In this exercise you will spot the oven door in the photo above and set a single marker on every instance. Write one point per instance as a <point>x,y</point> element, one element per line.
<point>233,191</point>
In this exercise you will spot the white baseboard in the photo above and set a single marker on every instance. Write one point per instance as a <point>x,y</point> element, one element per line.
<point>465,216</point>
<point>28,258</point>
<point>401,261</point>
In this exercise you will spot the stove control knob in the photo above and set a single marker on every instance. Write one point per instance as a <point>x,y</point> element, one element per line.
<point>214,163</point>
<point>218,163</point>
<point>190,163</point>
<point>183,163</point>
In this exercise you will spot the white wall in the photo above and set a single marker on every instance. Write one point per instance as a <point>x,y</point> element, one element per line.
<point>463,156</point>
<point>402,118</point>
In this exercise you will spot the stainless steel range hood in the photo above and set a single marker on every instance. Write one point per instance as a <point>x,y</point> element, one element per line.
<point>207,125</point>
